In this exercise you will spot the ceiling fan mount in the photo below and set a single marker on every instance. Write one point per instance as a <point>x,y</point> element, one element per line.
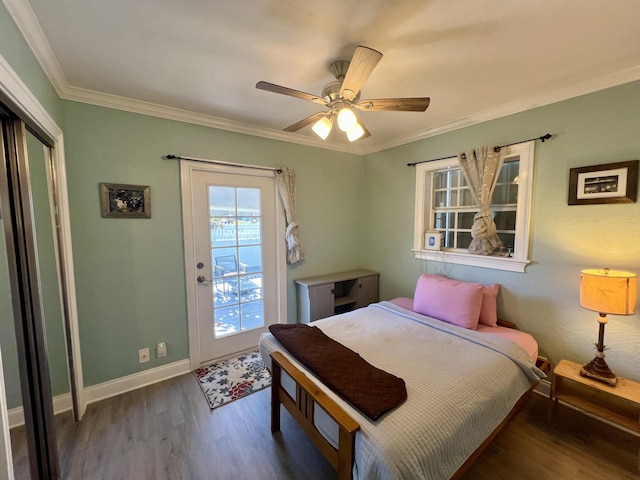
<point>343,94</point>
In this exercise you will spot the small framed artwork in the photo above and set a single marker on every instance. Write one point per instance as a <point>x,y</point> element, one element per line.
<point>125,201</point>
<point>608,183</point>
<point>433,241</point>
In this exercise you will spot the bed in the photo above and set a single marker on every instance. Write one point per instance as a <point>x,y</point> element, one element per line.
<point>462,385</point>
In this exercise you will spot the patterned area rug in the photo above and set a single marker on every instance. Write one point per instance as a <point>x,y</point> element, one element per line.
<point>233,378</point>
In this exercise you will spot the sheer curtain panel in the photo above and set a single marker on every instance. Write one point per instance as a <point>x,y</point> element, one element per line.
<point>481,167</point>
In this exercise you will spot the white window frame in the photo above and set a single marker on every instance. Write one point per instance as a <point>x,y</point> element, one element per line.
<point>423,220</point>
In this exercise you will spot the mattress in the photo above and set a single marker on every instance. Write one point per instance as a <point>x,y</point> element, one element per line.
<point>461,384</point>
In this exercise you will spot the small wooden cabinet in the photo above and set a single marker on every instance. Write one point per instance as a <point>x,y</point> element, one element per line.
<point>618,406</point>
<point>327,295</point>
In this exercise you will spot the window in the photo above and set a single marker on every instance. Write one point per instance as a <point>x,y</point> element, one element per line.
<point>444,204</point>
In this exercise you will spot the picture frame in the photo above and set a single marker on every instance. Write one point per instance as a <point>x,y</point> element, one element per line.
<point>606,183</point>
<point>125,201</point>
<point>433,241</point>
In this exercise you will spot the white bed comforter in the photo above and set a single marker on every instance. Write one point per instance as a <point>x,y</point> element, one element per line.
<point>460,385</point>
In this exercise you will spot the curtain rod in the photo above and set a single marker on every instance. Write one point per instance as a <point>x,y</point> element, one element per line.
<point>497,148</point>
<point>220,162</point>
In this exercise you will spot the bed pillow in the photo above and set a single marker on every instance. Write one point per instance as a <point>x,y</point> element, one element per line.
<point>451,301</point>
<point>489,309</point>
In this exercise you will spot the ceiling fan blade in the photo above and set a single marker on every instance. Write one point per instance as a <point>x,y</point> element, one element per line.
<point>272,87</point>
<point>362,64</point>
<point>304,122</point>
<point>417,104</point>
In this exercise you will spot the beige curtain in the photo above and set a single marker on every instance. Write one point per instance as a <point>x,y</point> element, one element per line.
<point>481,167</point>
<point>287,191</point>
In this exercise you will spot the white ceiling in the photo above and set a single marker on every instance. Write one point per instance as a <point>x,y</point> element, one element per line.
<point>199,60</point>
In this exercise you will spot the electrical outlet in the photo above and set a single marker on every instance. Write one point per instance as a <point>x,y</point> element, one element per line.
<point>161,349</point>
<point>143,355</point>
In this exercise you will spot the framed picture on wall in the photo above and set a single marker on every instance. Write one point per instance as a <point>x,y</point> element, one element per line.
<point>607,183</point>
<point>125,201</point>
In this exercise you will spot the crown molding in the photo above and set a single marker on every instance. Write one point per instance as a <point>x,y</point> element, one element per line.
<point>572,91</point>
<point>171,113</point>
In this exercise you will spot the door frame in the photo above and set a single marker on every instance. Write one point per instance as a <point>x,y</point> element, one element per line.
<point>17,96</point>
<point>187,168</point>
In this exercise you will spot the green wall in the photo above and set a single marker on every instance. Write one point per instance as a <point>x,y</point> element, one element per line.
<point>593,129</point>
<point>130,276</point>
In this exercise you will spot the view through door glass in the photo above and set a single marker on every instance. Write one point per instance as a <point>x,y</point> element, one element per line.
<point>235,230</point>
<point>236,244</point>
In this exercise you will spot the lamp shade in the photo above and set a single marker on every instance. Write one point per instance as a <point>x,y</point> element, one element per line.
<point>355,133</point>
<point>608,291</point>
<point>323,127</point>
<point>346,119</point>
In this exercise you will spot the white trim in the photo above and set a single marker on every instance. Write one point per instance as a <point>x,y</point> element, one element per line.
<point>497,263</point>
<point>14,88</point>
<point>186,170</point>
<point>31,30</point>
<point>525,151</point>
<point>112,388</point>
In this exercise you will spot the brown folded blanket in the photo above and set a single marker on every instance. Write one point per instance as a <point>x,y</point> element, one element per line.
<point>367,388</point>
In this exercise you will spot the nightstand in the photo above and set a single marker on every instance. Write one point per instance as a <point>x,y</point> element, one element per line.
<point>619,406</point>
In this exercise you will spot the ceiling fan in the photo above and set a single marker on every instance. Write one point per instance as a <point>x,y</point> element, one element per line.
<point>343,94</point>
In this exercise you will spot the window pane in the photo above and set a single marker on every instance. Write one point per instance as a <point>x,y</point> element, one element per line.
<point>505,220</point>
<point>249,231</point>
<point>446,179</point>
<point>465,220</point>
<point>252,315</point>
<point>509,172</point>
<point>222,201</point>
<point>463,239</point>
<point>508,240</point>
<point>443,221</point>
<point>505,195</point>
<point>250,259</point>
<point>446,199</point>
<point>248,202</point>
<point>467,198</point>
<point>448,240</point>
<point>223,231</point>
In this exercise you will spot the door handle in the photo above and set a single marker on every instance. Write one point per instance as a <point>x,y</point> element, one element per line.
<point>201,279</point>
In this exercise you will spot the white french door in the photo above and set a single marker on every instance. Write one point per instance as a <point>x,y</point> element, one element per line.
<point>233,275</point>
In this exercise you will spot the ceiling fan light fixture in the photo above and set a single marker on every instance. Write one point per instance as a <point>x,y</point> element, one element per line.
<point>322,127</point>
<point>346,119</point>
<point>355,133</point>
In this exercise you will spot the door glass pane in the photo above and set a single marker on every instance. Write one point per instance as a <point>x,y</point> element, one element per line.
<point>236,251</point>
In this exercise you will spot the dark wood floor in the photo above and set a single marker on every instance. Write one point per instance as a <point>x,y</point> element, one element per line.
<point>167,431</point>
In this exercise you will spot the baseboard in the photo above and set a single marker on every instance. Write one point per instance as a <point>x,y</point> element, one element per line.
<point>61,403</point>
<point>95,393</point>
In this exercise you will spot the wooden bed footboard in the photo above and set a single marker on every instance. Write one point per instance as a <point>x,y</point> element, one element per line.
<point>302,408</point>
<point>308,394</point>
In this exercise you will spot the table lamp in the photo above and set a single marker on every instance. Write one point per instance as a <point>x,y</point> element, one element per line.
<point>606,292</point>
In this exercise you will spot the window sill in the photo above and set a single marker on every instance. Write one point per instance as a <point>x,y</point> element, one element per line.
<point>496,263</point>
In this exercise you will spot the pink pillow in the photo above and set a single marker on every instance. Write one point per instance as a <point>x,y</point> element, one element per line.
<point>489,309</point>
<point>448,300</point>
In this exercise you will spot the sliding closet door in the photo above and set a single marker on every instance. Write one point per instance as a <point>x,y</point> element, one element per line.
<point>26,272</point>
